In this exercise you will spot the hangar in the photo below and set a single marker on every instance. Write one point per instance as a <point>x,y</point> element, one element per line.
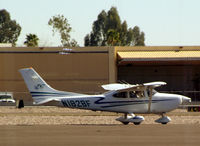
<point>85,69</point>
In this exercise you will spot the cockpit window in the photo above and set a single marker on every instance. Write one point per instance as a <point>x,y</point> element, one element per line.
<point>120,95</point>
<point>136,94</point>
<point>153,92</point>
<point>140,94</point>
<point>132,94</point>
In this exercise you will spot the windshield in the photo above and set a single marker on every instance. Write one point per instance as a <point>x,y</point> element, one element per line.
<point>149,91</point>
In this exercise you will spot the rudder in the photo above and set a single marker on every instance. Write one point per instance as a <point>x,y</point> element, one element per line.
<point>40,91</point>
<point>34,82</point>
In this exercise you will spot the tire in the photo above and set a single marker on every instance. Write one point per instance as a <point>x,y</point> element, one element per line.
<point>137,123</point>
<point>164,123</point>
<point>125,123</point>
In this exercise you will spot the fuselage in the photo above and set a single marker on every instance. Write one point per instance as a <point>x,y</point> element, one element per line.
<point>160,103</point>
<point>121,98</point>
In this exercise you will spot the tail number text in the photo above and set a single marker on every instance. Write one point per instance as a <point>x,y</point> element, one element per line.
<point>76,103</point>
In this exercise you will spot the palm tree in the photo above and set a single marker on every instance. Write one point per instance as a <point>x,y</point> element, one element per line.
<point>31,40</point>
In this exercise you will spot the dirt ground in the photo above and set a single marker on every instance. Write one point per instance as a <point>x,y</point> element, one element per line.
<point>50,126</point>
<point>100,135</point>
<point>61,116</point>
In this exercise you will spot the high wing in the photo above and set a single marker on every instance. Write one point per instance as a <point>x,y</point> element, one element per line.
<point>155,84</point>
<point>137,87</point>
<point>129,87</point>
<point>116,86</point>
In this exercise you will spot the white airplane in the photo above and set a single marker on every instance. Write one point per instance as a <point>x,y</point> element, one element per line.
<point>120,98</point>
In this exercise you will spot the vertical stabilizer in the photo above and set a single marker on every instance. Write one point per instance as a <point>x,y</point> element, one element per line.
<point>41,92</point>
<point>34,82</point>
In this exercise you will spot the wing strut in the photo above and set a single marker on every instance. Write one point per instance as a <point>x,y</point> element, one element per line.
<point>150,98</point>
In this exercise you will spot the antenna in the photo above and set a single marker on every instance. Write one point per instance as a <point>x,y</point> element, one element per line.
<point>124,82</point>
<point>119,81</point>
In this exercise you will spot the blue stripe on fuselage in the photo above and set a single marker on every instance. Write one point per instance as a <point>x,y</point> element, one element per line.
<point>123,103</point>
<point>34,94</point>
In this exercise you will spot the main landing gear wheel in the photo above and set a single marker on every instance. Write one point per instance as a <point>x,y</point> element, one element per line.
<point>125,123</point>
<point>126,119</point>
<point>164,123</point>
<point>137,123</point>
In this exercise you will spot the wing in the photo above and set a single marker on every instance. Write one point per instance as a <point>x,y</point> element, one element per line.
<point>123,87</point>
<point>129,87</point>
<point>155,84</point>
<point>115,86</point>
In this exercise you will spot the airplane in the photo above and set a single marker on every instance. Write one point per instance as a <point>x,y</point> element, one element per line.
<point>120,98</point>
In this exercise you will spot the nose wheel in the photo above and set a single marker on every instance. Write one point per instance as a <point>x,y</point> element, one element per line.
<point>163,120</point>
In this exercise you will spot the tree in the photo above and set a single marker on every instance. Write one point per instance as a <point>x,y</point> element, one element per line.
<point>9,29</point>
<point>123,34</point>
<point>108,30</point>
<point>31,40</point>
<point>73,43</point>
<point>87,40</point>
<point>138,37</point>
<point>60,24</point>
<point>113,37</point>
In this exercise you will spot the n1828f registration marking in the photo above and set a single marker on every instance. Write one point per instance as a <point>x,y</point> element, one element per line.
<point>76,103</point>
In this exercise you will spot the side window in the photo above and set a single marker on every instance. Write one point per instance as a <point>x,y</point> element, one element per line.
<point>120,95</point>
<point>140,94</point>
<point>132,94</point>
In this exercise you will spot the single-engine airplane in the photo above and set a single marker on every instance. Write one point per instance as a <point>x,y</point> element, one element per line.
<point>120,98</point>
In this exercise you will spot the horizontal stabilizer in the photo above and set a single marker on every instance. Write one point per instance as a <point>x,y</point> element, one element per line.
<point>46,100</point>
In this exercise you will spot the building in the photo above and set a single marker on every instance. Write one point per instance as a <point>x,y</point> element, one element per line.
<point>5,45</point>
<point>85,69</point>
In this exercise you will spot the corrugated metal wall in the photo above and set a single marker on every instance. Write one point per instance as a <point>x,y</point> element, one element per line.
<point>183,79</point>
<point>75,72</point>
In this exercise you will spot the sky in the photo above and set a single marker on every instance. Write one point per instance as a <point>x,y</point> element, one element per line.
<point>164,22</point>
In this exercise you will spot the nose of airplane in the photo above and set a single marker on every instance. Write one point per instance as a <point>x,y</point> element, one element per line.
<point>185,99</point>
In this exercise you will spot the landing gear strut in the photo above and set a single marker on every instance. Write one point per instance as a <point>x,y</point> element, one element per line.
<point>125,117</point>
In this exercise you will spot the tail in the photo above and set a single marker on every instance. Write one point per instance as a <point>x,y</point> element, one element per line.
<point>40,91</point>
